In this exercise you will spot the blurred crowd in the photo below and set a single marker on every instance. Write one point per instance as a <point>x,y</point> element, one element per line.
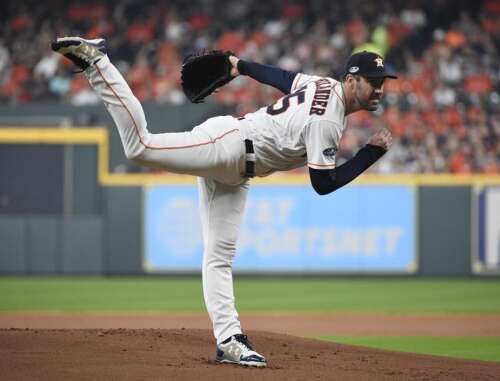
<point>444,111</point>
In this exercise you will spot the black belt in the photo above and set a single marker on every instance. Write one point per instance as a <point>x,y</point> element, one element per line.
<point>250,159</point>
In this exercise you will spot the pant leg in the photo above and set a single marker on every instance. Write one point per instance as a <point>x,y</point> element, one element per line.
<point>221,208</point>
<point>214,147</point>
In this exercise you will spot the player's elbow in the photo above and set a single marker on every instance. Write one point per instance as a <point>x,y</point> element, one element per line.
<point>321,181</point>
<point>321,190</point>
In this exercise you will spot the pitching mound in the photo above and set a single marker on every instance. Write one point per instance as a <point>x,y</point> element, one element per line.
<point>188,354</point>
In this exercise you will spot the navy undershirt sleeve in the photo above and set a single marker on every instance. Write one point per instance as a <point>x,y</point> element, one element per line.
<point>269,75</point>
<point>325,181</point>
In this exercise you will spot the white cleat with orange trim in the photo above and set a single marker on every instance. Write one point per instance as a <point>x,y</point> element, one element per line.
<point>82,53</point>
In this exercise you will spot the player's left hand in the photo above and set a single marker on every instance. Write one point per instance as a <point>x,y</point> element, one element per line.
<point>382,138</point>
<point>234,61</point>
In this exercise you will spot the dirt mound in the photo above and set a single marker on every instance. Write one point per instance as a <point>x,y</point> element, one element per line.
<point>188,354</point>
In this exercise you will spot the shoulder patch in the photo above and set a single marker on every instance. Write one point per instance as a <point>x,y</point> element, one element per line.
<point>330,152</point>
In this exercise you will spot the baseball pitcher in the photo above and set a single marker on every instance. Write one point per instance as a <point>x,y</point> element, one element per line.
<point>304,127</point>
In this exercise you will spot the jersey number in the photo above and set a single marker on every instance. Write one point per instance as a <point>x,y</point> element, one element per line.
<point>285,102</point>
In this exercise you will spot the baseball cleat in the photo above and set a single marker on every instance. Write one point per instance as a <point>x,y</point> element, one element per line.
<point>238,350</point>
<point>82,52</point>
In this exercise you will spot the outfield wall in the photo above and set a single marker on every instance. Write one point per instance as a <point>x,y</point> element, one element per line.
<point>62,211</point>
<point>427,231</point>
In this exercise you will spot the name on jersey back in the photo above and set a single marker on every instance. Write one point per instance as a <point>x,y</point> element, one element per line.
<point>321,97</point>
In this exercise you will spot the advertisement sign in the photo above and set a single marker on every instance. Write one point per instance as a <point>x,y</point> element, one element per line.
<point>290,229</point>
<point>489,225</point>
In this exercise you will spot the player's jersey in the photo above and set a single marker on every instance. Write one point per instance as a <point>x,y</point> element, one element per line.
<point>302,128</point>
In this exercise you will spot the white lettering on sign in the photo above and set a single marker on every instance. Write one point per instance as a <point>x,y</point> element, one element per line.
<point>323,242</point>
<point>264,212</point>
<point>391,239</point>
<point>271,242</point>
<point>285,207</point>
<point>267,212</point>
<point>270,234</point>
<point>310,237</point>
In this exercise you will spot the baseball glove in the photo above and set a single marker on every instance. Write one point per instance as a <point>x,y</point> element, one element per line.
<point>204,72</point>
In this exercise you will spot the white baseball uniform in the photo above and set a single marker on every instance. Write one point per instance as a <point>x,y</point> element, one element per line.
<point>302,128</point>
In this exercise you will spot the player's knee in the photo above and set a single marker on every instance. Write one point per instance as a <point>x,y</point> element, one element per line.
<point>132,155</point>
<point>135,154</point>
<point>217,254</point>
<point>223,246</point>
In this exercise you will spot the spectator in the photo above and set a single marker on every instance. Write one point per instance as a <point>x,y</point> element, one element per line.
<point>443,112</point>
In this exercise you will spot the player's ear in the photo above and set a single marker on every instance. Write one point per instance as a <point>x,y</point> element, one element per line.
<point>350,81</point>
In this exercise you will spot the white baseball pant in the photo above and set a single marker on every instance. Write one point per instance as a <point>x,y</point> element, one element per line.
<point>215,152</point>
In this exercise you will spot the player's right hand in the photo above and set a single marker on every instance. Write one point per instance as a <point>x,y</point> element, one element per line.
<point>234,61</point>
<point>381,138</point>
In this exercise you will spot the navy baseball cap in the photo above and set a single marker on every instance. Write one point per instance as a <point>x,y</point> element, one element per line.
<point>369,65</point>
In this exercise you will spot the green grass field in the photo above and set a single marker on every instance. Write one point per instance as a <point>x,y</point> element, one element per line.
<point>473,348</point>
<point>77,294</point>
<point>181,294</point>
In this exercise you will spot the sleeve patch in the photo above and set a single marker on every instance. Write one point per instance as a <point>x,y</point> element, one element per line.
<point>330,152</point>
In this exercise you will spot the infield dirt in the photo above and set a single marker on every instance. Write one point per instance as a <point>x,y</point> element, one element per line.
<point>54,346</point>
<point>188,354</point>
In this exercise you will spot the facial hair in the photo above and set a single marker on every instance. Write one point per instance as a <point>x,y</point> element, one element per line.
<point>365,103</point>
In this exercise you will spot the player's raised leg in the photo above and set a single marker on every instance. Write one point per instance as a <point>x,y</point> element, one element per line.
<point>190,152</point>
<point>111,86</point>
<point>222,208</point>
